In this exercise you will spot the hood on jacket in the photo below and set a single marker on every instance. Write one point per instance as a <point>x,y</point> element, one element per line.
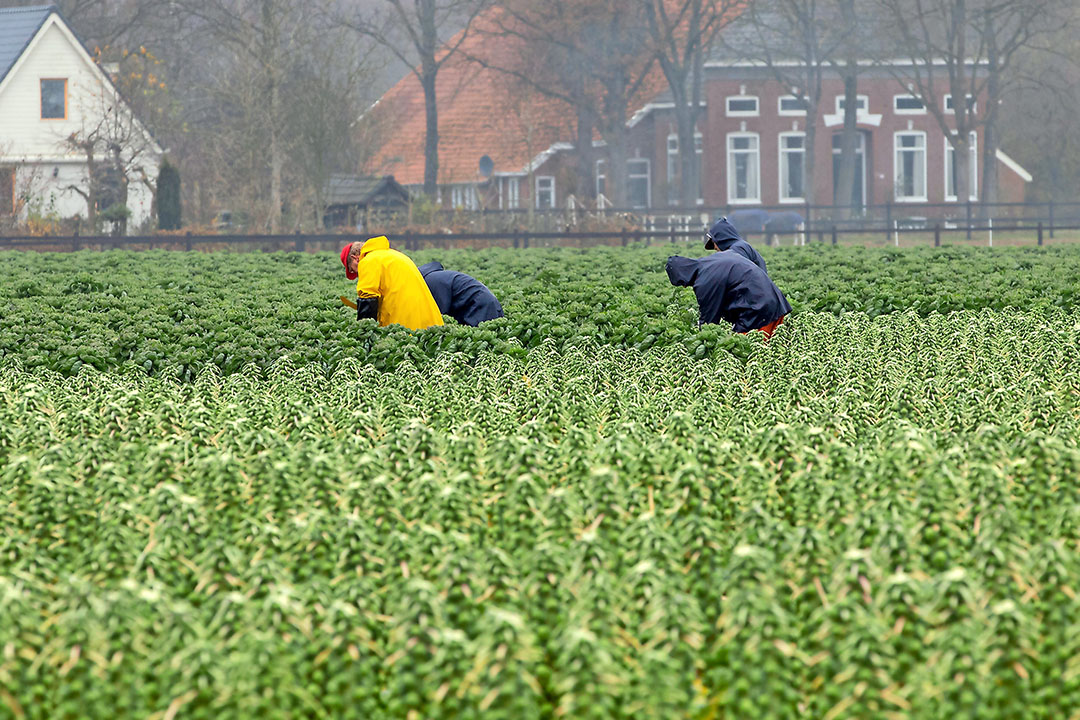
<point>427,269</point>
<point>376,243</point>
<point>681,271</point>
<point>722,234</point>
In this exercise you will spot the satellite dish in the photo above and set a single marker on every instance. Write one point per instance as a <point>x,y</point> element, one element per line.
<point>487,166</point>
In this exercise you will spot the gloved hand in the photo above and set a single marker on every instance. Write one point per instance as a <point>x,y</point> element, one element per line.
<point>367,308</point>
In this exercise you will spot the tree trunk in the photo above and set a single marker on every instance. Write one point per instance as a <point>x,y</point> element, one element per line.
<point>684,125</point>
<point>616,172</point>
<point>990,134</point>
<point>276,163</point>
<point>271,48</point>
<point>91,188</point>
<point>586,168</point>
<point>688,165</point>
<point>989,161</point>
<point>431,136</point>
<point>810,161</point>
<point>845,182</point>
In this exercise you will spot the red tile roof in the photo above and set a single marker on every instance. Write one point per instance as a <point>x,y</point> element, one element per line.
<point>481,112</point>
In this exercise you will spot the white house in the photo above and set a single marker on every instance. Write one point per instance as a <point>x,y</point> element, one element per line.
<point>60,116</point>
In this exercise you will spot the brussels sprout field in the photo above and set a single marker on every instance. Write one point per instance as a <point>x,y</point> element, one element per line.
<point>222,508</point>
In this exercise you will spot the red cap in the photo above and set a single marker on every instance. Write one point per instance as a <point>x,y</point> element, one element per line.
<point>345,261</point>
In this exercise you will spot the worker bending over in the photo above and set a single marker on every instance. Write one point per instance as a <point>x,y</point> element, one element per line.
<point>389,288</point>
<point>731,289</point>
<point>461,296</point>
<point>723,237</point>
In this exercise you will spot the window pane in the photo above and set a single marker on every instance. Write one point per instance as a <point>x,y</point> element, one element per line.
<point>792,142</point>
<point>909,103</point>
<point>742,176</point>
<point>742,105</point>
<point>911,167</point>
<point>638,191</point>
<point>53,100</point>
<point>793,172</point>
<point>792,104</point>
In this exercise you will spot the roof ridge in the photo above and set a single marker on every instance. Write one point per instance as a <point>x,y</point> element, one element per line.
<point>29,8</point>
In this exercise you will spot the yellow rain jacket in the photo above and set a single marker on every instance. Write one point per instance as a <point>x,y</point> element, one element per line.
<point>404,298</point>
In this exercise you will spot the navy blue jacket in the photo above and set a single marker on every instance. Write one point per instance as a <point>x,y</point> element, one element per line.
<point>460,296</point>
<point>731,289</point>
<point>725,237</point>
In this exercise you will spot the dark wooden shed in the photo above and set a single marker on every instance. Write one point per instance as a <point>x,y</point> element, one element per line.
<point>351,198</point>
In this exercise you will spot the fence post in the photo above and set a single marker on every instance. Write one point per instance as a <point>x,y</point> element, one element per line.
<point>821,236</point>
<point>768,239</point>
<point>1051,219</point>
<point>1040,233</point>
<point>969,219</point>
<point>625,237</point>
<point>75,241</point>
<point>888,220</point>
<point>671,227</point>
<point>834,234</point>
<point>515,238</point>
<point>187,243</point>
<point>937,235</point>
<point>525,241</point>
<point>300,243</point>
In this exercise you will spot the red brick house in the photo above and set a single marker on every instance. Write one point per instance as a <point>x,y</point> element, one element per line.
<point>751,144</point>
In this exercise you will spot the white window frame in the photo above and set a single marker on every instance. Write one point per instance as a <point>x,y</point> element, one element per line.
<point>908,96</point>
<point>897,164</point>
<point>862,104</point>
<point>554,198</point>
<point>648,180</point>
<point>781,152</point>
<point>756,112</point>
<point>601,175</point>
<point>973,169</point>
<point>732,200</point>
<point>789,113</point>
<point>947,103</point>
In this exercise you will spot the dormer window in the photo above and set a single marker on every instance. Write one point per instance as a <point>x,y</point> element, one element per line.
<point>54,99</point>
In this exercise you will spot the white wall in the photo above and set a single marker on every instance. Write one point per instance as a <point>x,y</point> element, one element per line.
<point>37,147</point>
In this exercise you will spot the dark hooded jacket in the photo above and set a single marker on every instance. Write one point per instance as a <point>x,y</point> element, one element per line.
<point>460,296</point>
<point>730,288</point>
<point>724,235</point>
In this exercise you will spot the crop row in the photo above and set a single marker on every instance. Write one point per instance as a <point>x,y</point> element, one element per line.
<point>172,314</point>
<point>862,518</point>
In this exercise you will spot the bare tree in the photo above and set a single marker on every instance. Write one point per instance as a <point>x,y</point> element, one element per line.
<point>680,33</point>
<point>849,53</point>
<point>419,37</point>
<point>1038,123</point>
<point>266,35</point>
<point>799,41</point>
<point>542,51</point>
<point>327,89</point>
<point>965,48</point>
<point>587,53</point>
